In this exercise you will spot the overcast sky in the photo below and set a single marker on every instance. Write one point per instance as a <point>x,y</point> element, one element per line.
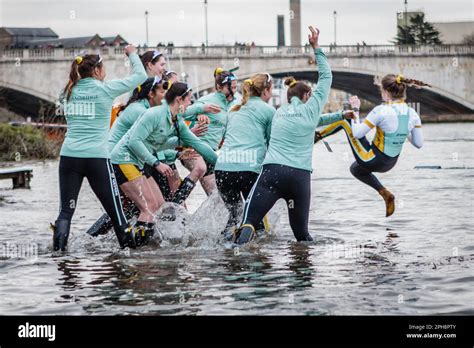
<point>182,21</point>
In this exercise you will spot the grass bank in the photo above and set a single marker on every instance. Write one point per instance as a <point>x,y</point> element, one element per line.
<point>27,143</point>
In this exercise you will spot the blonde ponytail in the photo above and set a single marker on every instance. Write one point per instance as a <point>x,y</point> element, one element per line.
<point>254,86</point>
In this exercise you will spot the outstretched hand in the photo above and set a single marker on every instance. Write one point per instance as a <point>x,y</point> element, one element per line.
<point>129,49</point>
<point>164,169</point>
<point>313,38</point>
<point>354,101</point>
<point>203,119</point>
<point>199,129</point>
<point>212,109</point>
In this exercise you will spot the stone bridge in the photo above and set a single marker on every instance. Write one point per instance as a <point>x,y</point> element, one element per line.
<point>31,79</point>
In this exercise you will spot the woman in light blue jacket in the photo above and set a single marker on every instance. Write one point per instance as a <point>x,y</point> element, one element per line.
<point>158,129</point>
<point>245,144</point>
<point>85,153</point>
<point>287,166</point>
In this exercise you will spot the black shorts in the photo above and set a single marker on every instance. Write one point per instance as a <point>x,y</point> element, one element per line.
<point>161,181</point>
<point>126,172</point>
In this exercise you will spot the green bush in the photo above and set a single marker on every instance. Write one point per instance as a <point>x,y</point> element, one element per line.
<point>23,143</point>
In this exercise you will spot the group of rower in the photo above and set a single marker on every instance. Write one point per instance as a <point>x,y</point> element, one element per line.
<point>247,150</point>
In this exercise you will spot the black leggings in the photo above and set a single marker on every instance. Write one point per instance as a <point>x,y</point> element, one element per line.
<point>369,159</point>
<point>232,186</point>
<point>278,181</point>
<point>101,177</point>
<point>161,180</point>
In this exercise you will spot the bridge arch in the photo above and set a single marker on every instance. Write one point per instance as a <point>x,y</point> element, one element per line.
<point>449,68</point>
<point>26,102</point>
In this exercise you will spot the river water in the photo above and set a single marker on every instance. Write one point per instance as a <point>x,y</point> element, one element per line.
<point>419,261</point>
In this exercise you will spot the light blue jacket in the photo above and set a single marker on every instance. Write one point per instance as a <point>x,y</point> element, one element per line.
<point>292,139</point>
<point>217,127</point>
<point>125,121</point>
<point>88,112</point>
<point>247,137</point>
<point>154,132</point>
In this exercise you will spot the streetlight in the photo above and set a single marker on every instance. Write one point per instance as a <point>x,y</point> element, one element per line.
<point>406,14</point>
<point>146,21</point>
<point>335,28</point>
<point>205,14</point>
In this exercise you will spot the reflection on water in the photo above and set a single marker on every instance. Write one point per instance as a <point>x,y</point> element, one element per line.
<point>417,262</point>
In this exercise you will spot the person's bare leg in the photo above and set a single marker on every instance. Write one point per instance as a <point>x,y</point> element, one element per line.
<point>138,191</point>
<point>174,181</point>
<point>156,194</point>
<point>197,168</point>
<point>209,184</point>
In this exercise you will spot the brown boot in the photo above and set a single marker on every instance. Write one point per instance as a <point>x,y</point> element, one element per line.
<point>389,199</point>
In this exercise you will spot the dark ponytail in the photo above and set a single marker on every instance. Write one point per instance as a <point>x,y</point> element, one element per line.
<point>174,90</point>
<point>150,57</point>
<point>81,67</point>
<point>223,77</point>
<point>141,92</point>
<point>397,85</point>
<point>167,75</point>
<point>296,88</point>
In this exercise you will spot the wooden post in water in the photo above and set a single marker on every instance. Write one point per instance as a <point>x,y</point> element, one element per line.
<point>21,177</point>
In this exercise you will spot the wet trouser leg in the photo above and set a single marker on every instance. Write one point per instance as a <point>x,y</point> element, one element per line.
<point>71,175</point>
<point>298,199</point>
<point>333,128</point>
<point>279,181</point>
<point>101,177</point>
<point>232,186</point>
<point>99,173</point>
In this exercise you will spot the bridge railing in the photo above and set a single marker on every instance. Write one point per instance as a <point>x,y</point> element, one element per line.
<point>198,52</point>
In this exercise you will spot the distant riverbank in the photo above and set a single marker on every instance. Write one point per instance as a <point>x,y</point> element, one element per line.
<point>27,143</point>
<point>448,118</point>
